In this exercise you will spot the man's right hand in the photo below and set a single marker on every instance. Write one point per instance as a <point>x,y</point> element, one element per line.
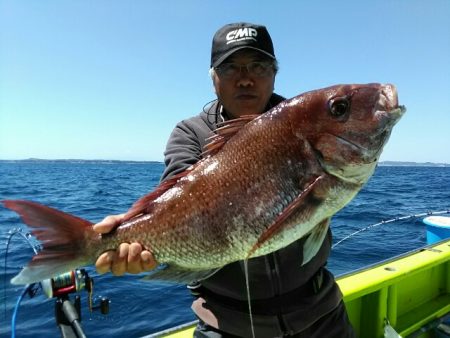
<point>128,257</point>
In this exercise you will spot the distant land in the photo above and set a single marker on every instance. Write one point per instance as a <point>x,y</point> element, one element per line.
<point>382,163</point>
<point>412,164</point>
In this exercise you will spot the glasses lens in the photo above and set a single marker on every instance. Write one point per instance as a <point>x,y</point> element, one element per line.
<point>259,68</point>
<point>229,70</point>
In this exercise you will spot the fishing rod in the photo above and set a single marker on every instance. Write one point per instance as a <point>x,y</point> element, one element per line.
<point>67,312</point>
<point>396,219</point>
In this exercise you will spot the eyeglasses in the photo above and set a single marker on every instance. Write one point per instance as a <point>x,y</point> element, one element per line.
<point>259,69</point>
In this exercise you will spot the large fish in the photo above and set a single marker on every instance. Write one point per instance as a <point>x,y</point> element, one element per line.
<point>264,182</point>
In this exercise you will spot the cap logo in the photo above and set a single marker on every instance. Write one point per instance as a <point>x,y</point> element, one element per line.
<point>241,34</point>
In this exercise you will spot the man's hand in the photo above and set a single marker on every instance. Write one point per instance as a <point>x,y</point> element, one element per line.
<point>131,258</point>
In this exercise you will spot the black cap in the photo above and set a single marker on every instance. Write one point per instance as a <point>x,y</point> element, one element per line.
<point>233,37</point>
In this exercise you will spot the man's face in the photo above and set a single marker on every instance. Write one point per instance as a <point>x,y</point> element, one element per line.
<point>244,92</point>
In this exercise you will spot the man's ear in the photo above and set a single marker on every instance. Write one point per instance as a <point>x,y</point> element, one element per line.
<point>213,76</point>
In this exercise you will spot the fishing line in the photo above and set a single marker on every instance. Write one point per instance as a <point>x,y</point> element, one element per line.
<point>396,219</point>
<point>247,284</point>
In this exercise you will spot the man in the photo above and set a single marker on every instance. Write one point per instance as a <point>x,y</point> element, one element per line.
<point>288,299</point>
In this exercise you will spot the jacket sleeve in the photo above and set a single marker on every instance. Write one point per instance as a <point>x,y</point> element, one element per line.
<point>183,149</point>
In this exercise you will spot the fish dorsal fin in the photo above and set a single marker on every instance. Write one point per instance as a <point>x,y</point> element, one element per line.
<point>144,204</point>
<point>279,222</point>
<point>226,131</point>
<point>222,134</point>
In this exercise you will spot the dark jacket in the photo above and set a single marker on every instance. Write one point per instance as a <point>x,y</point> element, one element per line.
<point>286,295</point>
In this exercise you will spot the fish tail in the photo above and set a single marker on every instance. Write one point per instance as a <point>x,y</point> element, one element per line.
<point>64,240</point>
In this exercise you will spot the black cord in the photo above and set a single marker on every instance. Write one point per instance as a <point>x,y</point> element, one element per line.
<point>213,113</point>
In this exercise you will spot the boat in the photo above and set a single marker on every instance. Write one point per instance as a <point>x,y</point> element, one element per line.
<point>406,296</point>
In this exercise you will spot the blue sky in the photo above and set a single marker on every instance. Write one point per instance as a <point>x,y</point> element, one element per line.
<point>110,79</point>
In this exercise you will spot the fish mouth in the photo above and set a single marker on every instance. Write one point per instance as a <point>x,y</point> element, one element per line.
<point>363,150</point>
<point>397,113</point>
<point>388,104</point>
<point>387,112</point>
<point>368,145</point>
<point>388,98</point>
<point>350,143</point>
<point>387,120</point>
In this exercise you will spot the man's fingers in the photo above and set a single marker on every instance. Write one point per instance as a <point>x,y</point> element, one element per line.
<point>135,251</point>
<point>119,264</point>
<point>134,256</point>
<point>148,262</point>
<point>108,223</point>
<point>103,263</point>
<point>131,258</point>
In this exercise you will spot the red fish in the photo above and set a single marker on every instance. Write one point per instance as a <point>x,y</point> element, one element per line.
<point>264,182</point>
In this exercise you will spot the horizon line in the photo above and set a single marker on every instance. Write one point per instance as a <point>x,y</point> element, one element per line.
<point>159,161</point>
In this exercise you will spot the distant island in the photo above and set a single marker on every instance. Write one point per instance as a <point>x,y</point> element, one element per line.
<point>382,163</point>
<point>412,164</point>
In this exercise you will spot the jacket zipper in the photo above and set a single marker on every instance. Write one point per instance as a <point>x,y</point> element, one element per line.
<point>276,287</point>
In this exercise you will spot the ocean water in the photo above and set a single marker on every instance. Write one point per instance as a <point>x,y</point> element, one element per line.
<point>94,189</point>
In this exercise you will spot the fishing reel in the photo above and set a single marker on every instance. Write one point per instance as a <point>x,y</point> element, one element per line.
<point>74,281</point>
<point>68,314</point>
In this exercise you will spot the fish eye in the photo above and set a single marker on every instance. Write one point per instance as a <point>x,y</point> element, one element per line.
<point>339,106</point>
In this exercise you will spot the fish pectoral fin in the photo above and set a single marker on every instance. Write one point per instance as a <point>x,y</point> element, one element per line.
<point>279,222</point>
<point>226,131</point>
<point>315,240</point>
<point>176,274</point>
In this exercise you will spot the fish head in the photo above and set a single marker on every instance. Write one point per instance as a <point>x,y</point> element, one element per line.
<point>347,126</point>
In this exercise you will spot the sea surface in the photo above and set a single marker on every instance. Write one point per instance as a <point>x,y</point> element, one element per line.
<point>94,189</point>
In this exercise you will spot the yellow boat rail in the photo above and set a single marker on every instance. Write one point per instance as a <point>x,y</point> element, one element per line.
<point>409,291</point>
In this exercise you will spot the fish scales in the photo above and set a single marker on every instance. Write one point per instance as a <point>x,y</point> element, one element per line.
<point>220,221</point>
